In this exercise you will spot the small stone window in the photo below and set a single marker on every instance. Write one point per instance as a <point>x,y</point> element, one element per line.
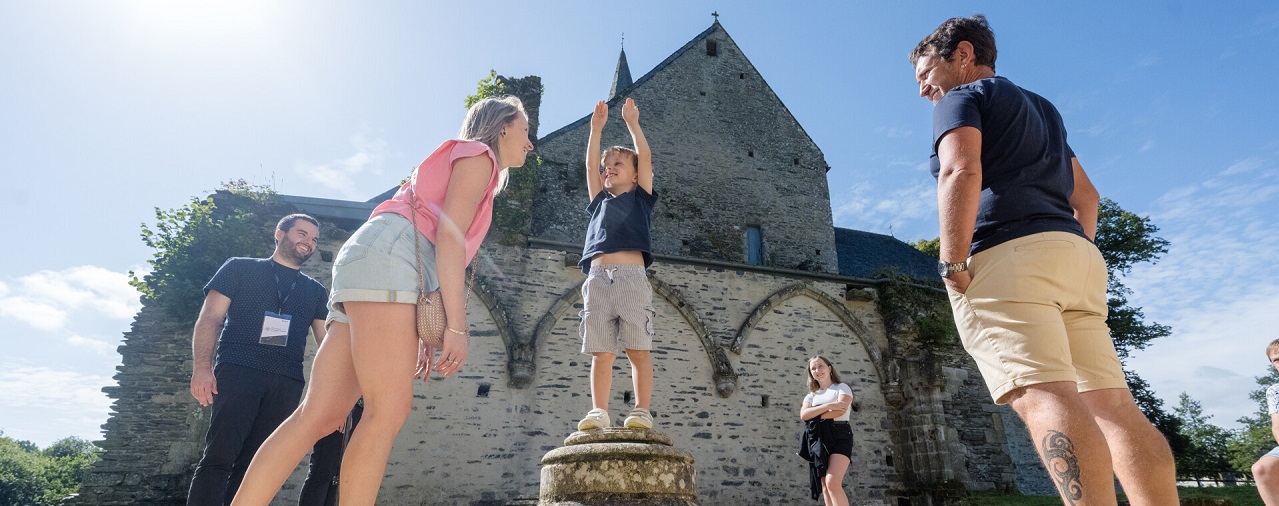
<point>796,161</point>
<point>741,75</point>
<point>626,397</point>
<point>750,153</point>
<point>712,48</point>
<point>763,401</point>
<point>702,93</point>
<point>483,391</point>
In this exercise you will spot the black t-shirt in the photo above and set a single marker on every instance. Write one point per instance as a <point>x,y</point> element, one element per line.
<point>256,286</point>
<point>619,223</point>
<point>1026,174</point>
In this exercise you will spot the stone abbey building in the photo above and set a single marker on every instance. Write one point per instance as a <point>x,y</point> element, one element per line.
<point>751,278</point>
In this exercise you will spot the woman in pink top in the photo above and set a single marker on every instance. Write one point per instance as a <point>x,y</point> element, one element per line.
<point>372,339</point>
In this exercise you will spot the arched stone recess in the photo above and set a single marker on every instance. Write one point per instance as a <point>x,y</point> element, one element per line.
<point>722,372</point>
<point>524,355</point>
<point>723,376</point>
<point>835,306</point>
<point>482,290</point>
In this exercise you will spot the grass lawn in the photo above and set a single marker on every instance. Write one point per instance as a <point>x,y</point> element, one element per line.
<point>1239,496</point>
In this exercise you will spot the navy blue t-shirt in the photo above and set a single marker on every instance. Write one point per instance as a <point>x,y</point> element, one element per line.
<point>258,285</point>
<point>1026,174</point>
<point>619,223</point>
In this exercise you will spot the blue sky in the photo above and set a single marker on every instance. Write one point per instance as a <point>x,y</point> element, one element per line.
<point>110,109</point>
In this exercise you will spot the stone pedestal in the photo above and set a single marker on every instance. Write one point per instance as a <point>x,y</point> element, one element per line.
<point>618,467</point>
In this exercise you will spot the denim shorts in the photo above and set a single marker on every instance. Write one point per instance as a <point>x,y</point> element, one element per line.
<point>377,265</point>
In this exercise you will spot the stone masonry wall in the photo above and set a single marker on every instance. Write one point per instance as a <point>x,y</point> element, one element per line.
<point>727,154</point>
<point>477,438</point>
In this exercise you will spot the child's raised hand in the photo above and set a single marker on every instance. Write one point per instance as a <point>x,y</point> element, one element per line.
<point>600,116</point>
<point>630,112</point>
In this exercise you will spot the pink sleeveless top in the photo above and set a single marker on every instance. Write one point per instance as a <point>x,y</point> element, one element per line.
<point>430,182</point>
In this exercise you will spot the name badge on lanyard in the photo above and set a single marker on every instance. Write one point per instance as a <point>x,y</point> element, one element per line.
<point>275,329</point>
<point>275,326</point>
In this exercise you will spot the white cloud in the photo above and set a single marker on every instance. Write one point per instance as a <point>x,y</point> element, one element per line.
<point>903,210</point>
<point>68,403</point>
<point>1242,166</point>
<point>47,299</point>
<point>1145,148</point>
<point>340,174</point>
<point>88,286</point>
<point>1213,288</point>
<point>98,346</point>
<point>37,314</point>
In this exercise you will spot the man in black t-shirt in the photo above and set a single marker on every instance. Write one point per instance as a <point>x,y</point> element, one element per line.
<point>1027,285</point>
<point>266,307</point>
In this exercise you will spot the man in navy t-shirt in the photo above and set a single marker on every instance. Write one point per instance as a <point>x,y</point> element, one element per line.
<point>265,307</point>
<point>1026,283</point>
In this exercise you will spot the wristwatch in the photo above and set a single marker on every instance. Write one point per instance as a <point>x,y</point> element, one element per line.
<point>946,269</point>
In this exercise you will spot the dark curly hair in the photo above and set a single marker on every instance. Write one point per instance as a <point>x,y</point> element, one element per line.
<point>943,41</point>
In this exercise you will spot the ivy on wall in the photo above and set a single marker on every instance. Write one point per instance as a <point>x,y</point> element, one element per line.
<point>191,242</point>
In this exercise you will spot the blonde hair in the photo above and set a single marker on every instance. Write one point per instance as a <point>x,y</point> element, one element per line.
<point>813,385</point>
<point>484,123</point>
<point>622,151</point>
<point>1273,347</point>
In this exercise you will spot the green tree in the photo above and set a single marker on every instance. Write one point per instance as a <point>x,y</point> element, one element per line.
<point>511,214</point>
<point>29,475</point>
<point>192,241</point>
<point>490,86</point>
<point>66,462</point>
<point>1168,424</point>
<point>1255,438</point>
<point>930,246</point>
<point>21,480</point>
<point>1126,239</point>
<point>1206,455</point>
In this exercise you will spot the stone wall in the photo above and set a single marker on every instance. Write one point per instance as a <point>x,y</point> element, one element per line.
<point>727,154</point>
<point>729,378</point>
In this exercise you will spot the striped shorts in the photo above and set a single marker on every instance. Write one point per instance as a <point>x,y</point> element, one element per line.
<point>617,309</point>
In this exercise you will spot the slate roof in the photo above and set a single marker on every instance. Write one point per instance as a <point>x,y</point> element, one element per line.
<point>863,254</point>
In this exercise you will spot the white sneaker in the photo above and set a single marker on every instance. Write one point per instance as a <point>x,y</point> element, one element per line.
<point>595,419</point>
<point>640,418</point>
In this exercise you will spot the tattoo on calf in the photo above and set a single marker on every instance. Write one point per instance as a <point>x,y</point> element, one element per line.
<point>1063,465</point>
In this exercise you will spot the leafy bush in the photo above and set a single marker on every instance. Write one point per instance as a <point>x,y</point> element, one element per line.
<point>29,475</point>
<point>192,241</point>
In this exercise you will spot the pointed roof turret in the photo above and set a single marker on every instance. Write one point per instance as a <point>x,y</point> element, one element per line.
<point>621,76</point>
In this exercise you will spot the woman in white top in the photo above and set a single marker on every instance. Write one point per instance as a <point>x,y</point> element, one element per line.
<point>829,399</point>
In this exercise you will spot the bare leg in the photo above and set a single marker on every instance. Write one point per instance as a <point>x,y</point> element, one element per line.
<point>641,376</point>
<point>1266,473</point>
<point>1139,451</point>
<point>1070,444</point>
<point>833,482</point>
<point>384,350</point>
<point>601,379</point>
<point>329,396</point>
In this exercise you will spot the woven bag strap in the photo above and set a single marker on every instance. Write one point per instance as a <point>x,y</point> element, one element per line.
<point>417,248</point>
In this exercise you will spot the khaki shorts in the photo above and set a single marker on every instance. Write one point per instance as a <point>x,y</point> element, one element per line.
<point>1036,313</point>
